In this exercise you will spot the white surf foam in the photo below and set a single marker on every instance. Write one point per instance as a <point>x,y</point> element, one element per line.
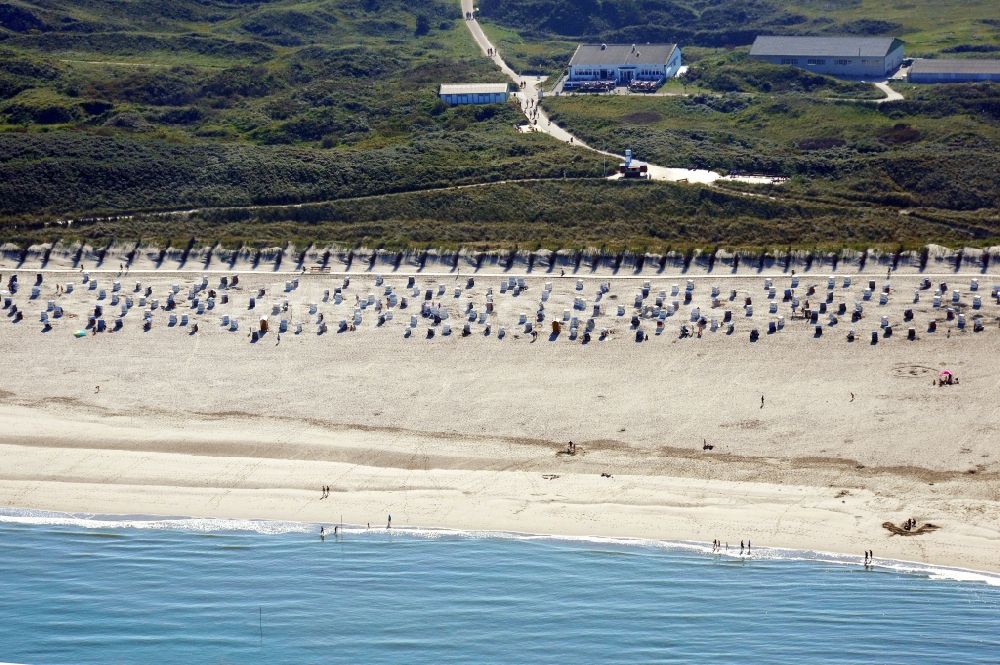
<point>269,527</point>
<point>196,524</point>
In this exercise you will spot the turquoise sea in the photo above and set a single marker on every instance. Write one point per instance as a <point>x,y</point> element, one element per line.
<point>131,590</point>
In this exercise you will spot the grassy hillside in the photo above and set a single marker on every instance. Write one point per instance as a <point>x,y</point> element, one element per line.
<point>712,71</point>
<point>927,151</point>
<point>927,27</point>
<point>109,106</point>
<point>555,214</point>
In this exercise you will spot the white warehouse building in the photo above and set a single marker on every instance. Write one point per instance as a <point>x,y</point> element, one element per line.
<point>454,94</point>
<point>953,71</point>
<point>623,63</point>
<point>854,57</point>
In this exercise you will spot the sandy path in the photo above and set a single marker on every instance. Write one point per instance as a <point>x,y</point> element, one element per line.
<point>531,94</point>
<point>890,94</point>
<point>463,432</point>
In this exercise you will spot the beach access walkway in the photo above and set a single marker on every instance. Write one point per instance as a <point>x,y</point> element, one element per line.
<point>530,93</point>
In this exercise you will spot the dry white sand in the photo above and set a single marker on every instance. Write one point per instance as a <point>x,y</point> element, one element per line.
<point>466,432</point>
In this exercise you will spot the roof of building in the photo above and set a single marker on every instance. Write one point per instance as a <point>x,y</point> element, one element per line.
<point>621,54</point>
<point>473,88</point>
<point>870,47</point>
<point>924,66</point>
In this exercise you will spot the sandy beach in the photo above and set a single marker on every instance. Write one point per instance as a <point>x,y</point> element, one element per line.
<point>470,432</point>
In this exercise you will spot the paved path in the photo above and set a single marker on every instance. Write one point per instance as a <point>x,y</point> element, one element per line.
<point>890,94</point>
<point>530,94</point>
<point>883,87</point>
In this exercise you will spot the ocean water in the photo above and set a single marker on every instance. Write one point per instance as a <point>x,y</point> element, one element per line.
<point>100,590</point>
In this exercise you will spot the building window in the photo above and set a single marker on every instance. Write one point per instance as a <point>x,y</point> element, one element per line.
<point>843,62</point>
<point>815,61</point>
<point>789,61</point>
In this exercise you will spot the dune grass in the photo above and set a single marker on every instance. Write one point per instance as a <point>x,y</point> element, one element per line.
<point>109,108</point>
<point>570,214</point>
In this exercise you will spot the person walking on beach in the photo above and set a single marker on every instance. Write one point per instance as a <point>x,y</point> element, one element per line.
<point>741,547</point>
<point>762,401</point>
<point>748,546</point>
<point>389,523</point>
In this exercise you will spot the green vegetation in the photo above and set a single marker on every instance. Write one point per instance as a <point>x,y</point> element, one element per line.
<point>927,27</point>
<point>735,72</point>
<point>109,107</point>
<point>614,216</point>
<point>928,151</point>
<point>249,108</point>
<point>543,58</point>
<point>104,175</point>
